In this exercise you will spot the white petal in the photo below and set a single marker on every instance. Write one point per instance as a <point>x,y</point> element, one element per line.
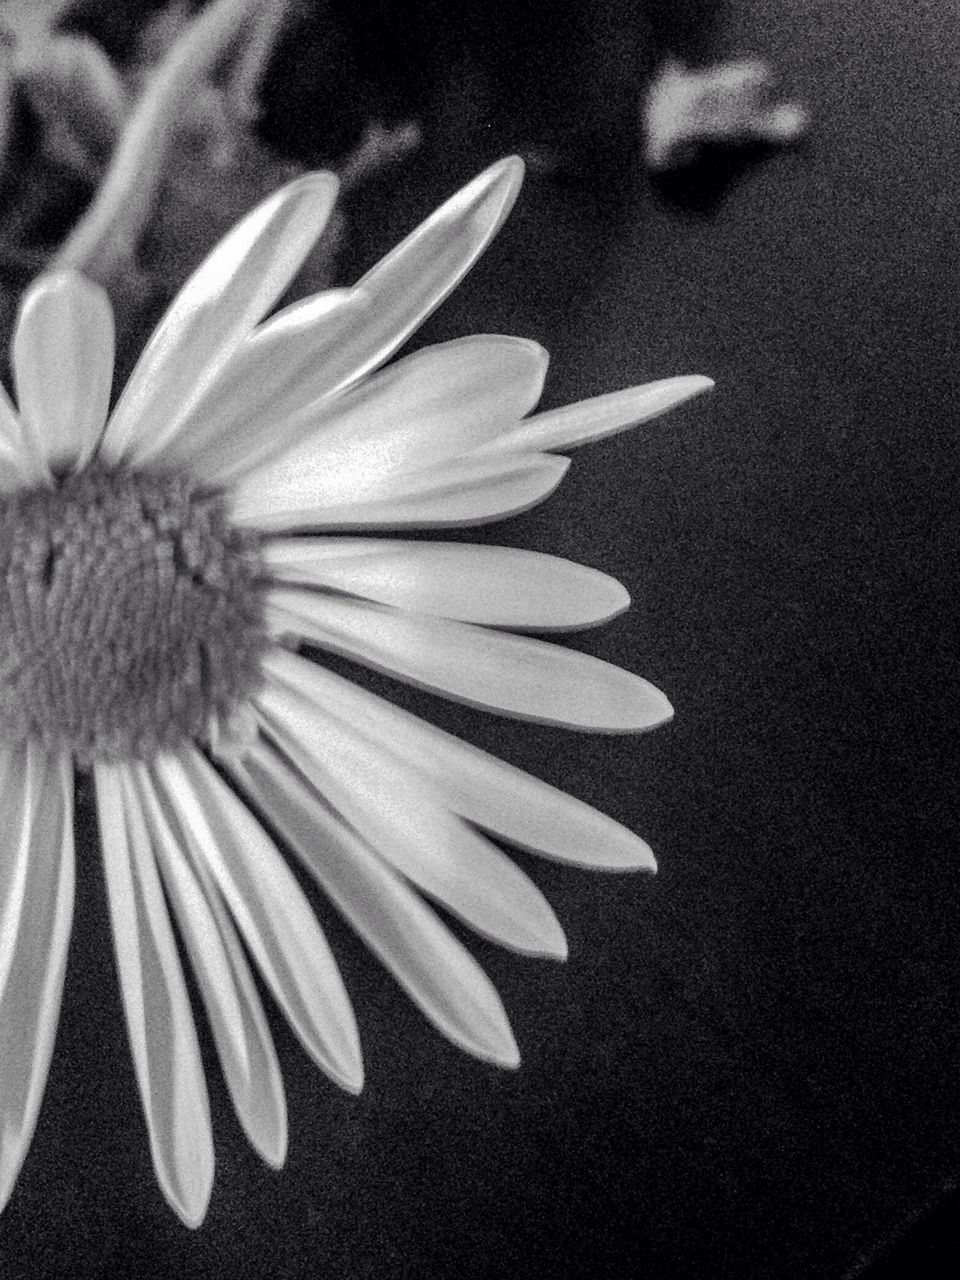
<point>576,424</point>
<point>421,411</point>
<point>396,811</point>
<point>495,670</point>
<point>505,801</point>
<point>270,910</point>
<point>248,414</point>
<point>495,586</point>
<point>159,1022</point>
<point>310,350</point>
<point>36,911</point>
<point>414,278</point>
<point>436,971</point>
<point>212,314</point>
<point>239,1026</point>
<point>63,366</point>
<point>18,466</point>
<point>12,462</point>
<point>461,492</point>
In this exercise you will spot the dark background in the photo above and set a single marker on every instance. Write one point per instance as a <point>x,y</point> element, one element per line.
<point>748,1067</point>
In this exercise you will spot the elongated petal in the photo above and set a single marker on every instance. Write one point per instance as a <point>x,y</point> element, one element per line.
<point>252,412</point>
<point>63,366</point>
<point>506,801</point>
<point>12,475</point>
<point>414,278</point>
<point>163,1040</point>
<point>577,424</point>
<point>513,674</point>
<point>239,1026</point>
<point>395,810</point>
<point>36,911</point>
<point>214,311</point>
<point>495,586</point>
<point>270,910</point>
<point>436,971</point>
<point>457,493</point>
<point>421,411</point>
<point>19,466</point>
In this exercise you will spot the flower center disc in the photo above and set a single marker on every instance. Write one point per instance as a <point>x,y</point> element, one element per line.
<point>130,617</point>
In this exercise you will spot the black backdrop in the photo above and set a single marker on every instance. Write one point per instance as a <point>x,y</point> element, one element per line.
<point>748,1067</point>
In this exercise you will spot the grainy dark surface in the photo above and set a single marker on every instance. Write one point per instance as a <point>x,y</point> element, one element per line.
<point>748,1067</point>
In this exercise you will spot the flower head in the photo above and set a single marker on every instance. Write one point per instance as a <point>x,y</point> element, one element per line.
<point>161,566</point>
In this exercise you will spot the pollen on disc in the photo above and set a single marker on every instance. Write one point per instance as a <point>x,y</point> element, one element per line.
<point>130,615</point>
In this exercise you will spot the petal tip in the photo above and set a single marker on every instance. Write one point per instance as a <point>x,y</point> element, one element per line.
<point>509,1061</point>
<point>503,1051</point>
<point>620,599</point>
<point>192,1212</point>
<point>271,1145</point>
<point>552,940</point>
<point>273,1158</point>
<point>642,857</point>
<point>510,169</point>
<point>561,950</point>
<point>658,710</point>
<point>699,382</point>
<point>315,194</point>
<point>684,387</point>
<point>318,183</point>
<point>351,1079</point>
<point>60,280</point>
<point>496,189</point>
<point>9,1170</point>
<point>644,708</point>
<point>627,854</point>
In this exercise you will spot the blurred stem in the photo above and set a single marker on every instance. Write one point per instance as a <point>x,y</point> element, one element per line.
<point>6,102</point>
<point>251,66</point>
<point>107,236</point>
<point>31,21</point>
<point>379,148</point>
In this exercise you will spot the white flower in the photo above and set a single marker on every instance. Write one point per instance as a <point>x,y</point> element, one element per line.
<point>152,596</point>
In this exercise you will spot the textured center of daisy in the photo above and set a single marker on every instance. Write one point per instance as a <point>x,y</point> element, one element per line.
<point>130,617</point>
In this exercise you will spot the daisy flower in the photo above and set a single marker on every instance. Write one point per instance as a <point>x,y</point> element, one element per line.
<point>161,565</point>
